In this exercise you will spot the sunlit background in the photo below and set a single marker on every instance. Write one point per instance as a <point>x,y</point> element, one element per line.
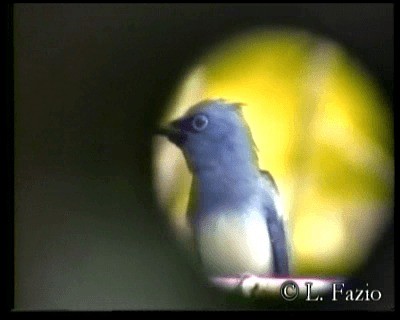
<point>322,128</point>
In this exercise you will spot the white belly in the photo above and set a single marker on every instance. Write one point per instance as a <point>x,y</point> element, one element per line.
<point>231,245</point>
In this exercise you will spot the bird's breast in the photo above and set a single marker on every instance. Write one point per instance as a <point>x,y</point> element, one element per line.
<point>232,243</point>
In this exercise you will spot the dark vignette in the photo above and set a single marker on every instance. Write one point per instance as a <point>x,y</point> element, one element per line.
<point>90,83</point>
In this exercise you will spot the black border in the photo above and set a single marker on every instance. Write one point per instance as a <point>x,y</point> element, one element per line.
<point>8,167</point>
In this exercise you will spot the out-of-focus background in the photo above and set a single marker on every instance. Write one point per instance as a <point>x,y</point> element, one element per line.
<point>92,82</point>
<point>323,128</point>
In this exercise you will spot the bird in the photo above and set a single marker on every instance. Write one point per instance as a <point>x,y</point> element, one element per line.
<point>234,208</point>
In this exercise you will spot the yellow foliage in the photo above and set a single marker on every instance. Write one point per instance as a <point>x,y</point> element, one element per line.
<point>322,129</point>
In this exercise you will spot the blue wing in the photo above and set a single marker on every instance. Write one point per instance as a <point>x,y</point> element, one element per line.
<point>276,228</point>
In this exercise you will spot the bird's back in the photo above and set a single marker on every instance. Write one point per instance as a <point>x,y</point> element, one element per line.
<point>277,225</point>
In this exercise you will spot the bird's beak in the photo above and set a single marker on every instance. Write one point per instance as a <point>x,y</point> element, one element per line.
<point>173,132</point>
<point>163,131</point>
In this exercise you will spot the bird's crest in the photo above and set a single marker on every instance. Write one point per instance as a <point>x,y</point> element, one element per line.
<point>223,102</point>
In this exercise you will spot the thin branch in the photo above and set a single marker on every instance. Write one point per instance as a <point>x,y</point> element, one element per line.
<point>252,285</point>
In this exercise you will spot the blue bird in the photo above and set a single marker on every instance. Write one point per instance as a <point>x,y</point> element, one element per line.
<point>233,210</point>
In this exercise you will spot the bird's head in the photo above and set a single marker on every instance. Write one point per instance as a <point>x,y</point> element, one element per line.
<point>212,134</point>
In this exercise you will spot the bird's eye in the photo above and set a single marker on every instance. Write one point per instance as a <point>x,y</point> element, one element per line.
<point>199,122</point>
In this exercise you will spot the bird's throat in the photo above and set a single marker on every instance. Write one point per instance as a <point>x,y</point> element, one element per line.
<point>217,188</point>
